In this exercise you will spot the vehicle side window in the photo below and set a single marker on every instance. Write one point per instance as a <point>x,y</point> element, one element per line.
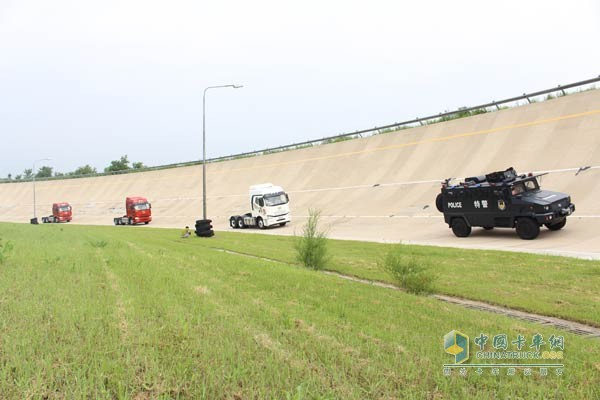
<point>261,202</point>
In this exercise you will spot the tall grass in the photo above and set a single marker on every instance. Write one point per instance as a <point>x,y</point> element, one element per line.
<point>409,272</point>
<point>311,247</point>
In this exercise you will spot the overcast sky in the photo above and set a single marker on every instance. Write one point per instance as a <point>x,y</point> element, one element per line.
<point>84,82</point>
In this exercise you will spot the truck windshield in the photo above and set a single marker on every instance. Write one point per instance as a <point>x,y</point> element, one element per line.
<point>141,206</point>
<point>64,209</point>
<point>526,186</point>
<point>275,199</point>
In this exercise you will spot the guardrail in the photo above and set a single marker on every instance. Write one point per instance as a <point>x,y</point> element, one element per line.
<point>467,111</point>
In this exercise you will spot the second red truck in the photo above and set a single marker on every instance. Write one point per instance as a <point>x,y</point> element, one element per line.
<point>138,210</point>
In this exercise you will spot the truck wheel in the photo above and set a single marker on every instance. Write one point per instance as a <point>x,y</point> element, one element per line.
<point>557,226</point>
<point>282,224</point>
<point>240,223</point>
<point>260,223</point>
<point>116,221</point>
<point>129,221</point>
<point>527,228</point>
<point>460,227</point>
<point>233,223</point>
<point>439,203</point>
<point>147,222</point>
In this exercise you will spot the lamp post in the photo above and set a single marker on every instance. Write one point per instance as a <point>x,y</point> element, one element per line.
<point>33,179</point>
<point>204,143</point>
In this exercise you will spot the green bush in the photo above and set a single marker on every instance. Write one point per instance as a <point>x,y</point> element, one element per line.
<point>312,245</point>
<point>5,250</point>
<point>408,272</point>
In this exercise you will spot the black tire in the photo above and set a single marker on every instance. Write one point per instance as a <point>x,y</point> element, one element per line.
<point>146,223</point>
<point>282,224</point>
<point>557,226</point>
<point>527,228</point>
<point>260,223</point>
<point>210,233</point>
<point>204,228</point>
<point>203,221</point>
<point>439,203</point>
<point>460,227</point>
<point>233,223</point>
<point>116,221</point>
<point>240,223</point>
<point>488,228</point>
<point>130,221</point>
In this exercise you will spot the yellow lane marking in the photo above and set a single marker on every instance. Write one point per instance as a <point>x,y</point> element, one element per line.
<point>418,142</point>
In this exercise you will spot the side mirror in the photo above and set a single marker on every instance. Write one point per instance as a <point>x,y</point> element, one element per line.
<point>287,197</point>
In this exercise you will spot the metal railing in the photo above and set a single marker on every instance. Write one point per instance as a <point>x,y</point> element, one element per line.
<point>464,111</point>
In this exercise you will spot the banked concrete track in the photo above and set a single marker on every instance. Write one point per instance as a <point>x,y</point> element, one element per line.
<point>380,188</point>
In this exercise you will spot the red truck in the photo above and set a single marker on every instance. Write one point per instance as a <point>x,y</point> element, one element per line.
<point>138,210</point>
<point>61,212</point>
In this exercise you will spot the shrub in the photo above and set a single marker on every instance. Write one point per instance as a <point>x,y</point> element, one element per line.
<point>312,245</point>
<point>408,272</point>
<point>5,250</point>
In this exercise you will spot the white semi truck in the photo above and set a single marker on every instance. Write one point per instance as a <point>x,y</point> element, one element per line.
<point>270,206</point>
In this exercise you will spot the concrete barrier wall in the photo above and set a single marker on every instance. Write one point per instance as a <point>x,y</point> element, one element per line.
<point>378,188</point>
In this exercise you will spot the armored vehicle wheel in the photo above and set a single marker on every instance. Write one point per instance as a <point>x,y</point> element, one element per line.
<point>557,226</point>
<point>240,223</point>
<point>460,227</point>
<point>260,223</point>
<point>527,228</point>
<point>439,203</point>
<point>233,223</point>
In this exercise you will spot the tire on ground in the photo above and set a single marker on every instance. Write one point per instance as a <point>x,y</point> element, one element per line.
<point>527,228</point>
<point>557,226</point>
<point>460,227</point>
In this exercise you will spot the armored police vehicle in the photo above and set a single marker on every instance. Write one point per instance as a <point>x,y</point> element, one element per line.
<point>503,199</point>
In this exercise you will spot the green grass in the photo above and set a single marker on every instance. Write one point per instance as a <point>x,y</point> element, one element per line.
<point>555,286</point>
<point>130,312</point>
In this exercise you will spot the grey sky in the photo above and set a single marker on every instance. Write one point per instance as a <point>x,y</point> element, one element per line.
<point>88,81</point>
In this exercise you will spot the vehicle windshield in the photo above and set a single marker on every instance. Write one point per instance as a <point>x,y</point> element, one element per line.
<point>275,199</point>
<point>141,206</point>
<point>525,186</point>
<point>64,209</point>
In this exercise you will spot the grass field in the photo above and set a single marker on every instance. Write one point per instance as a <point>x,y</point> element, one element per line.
<point>549,285</point>
<point>124,312</point>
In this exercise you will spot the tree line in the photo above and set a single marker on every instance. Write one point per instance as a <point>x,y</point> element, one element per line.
<point>122,164</point>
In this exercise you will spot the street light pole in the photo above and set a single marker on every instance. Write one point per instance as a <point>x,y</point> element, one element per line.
<point>204,143</point>
<point>33,175</point>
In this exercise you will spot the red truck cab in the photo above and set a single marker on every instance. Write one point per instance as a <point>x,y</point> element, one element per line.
<point>138,210</point>
<point>61,212</point>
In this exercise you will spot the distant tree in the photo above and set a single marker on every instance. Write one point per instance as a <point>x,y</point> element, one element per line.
<point>118,165</point>
<point>138,165</point>
<point>28,173</point>
<point>44,172</point>
<point>59,174</point>
<point>85,170</point>
<point>18,177</point>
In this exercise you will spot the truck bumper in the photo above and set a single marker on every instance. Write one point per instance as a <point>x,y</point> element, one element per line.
<point>557,216</point>
<point>280,219</point>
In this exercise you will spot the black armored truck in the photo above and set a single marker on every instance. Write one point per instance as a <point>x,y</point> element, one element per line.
<point>503,199</point>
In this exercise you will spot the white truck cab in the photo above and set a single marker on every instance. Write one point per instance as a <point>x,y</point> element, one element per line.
<point>269,205</point>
